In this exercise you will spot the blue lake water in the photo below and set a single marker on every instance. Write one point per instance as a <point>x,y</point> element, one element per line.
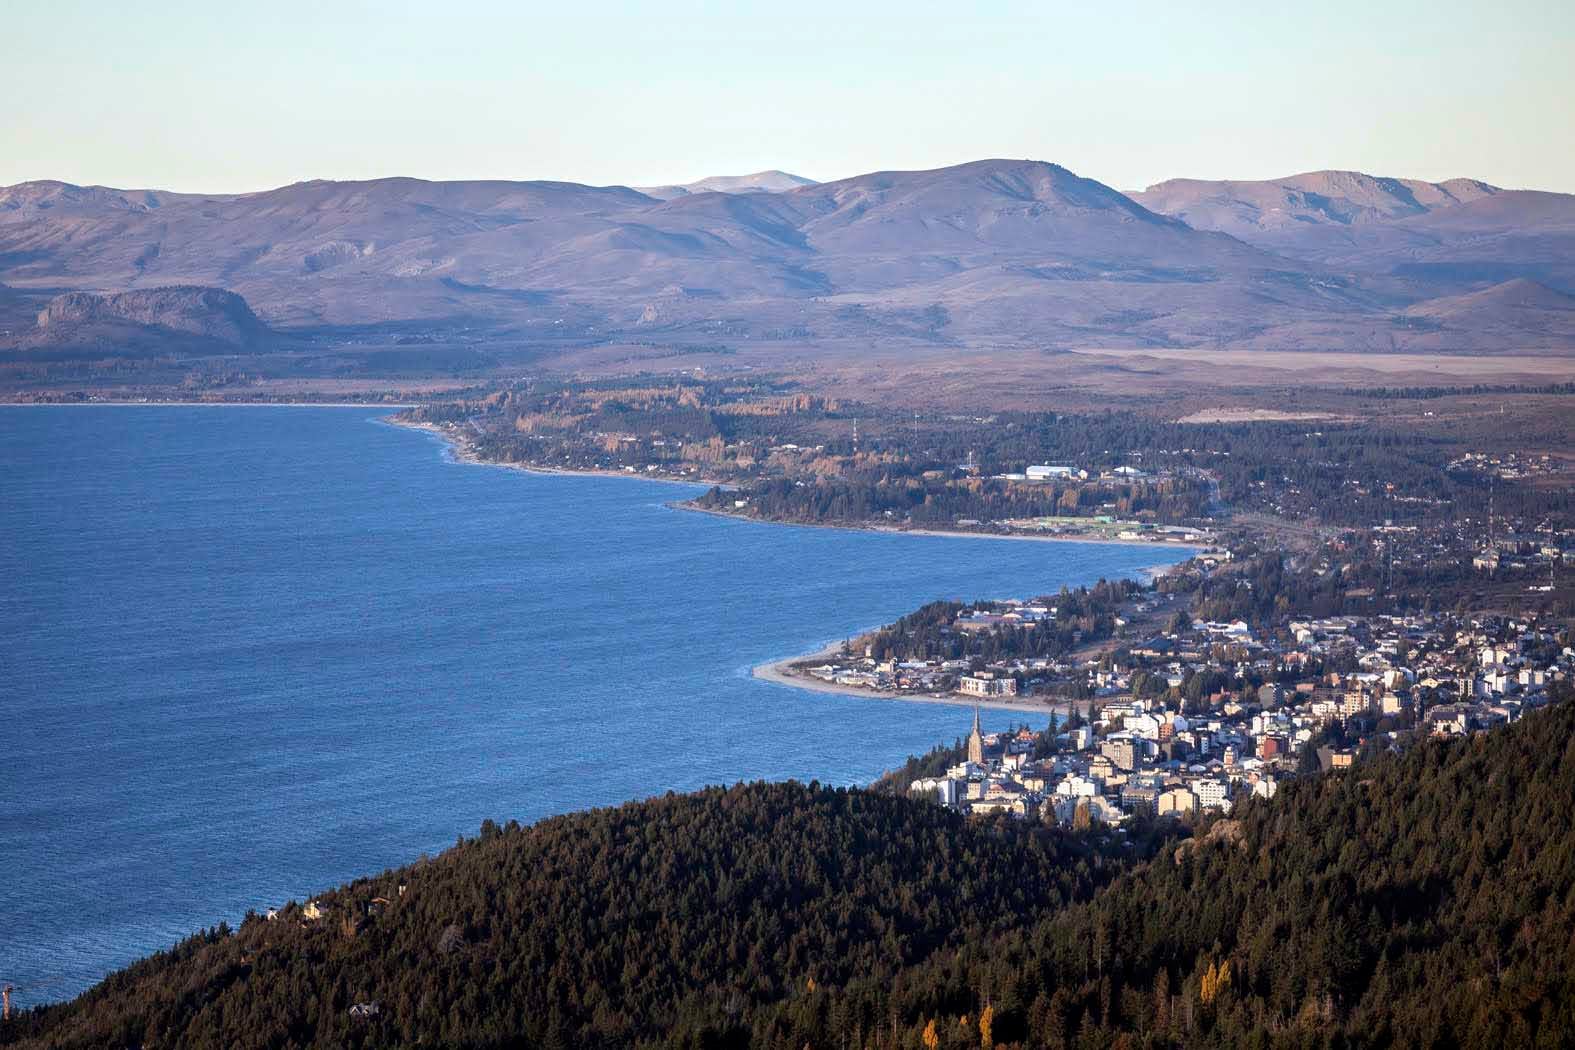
<point>249,653</point>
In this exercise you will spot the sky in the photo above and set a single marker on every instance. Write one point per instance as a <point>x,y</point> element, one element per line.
<point>181,95</point>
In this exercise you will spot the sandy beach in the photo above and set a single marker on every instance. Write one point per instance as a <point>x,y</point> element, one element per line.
<point>781,672</point>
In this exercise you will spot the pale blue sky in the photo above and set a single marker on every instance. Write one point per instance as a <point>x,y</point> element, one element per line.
<point>186,95</point>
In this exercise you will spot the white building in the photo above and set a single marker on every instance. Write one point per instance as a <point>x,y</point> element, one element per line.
<point>1145,726</point>
<point>1211,793</point>
<point>986,685</point>
<point>944,789</point>
<point>1074,786</point>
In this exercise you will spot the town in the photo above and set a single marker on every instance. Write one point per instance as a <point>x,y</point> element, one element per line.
<point>1399,569</point>
<point>1220,715</point>
<point>1344,588</point>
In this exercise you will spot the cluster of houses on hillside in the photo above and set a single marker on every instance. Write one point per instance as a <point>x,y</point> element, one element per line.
<point>1509,466</point>
<point>1106,779</point>
<point>1522,553</point>
<point>1392,660</point>
<point>1160,756</point>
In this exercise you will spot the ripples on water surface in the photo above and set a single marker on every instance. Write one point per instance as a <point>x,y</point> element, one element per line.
<point>249,653</point>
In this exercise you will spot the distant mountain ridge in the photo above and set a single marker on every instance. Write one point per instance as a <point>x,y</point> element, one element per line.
<point>1448,237</point>
<point>31,198</point>
<point>993,253</point>
<point>1340,197</point>
<point>772,181</point>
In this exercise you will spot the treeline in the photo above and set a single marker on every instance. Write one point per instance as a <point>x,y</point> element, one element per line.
<point>1425,393</point>
<point>1364,578</point>
<point>917,500</point>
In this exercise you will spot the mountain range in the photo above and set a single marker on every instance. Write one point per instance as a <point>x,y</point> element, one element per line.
<point>986,255</point>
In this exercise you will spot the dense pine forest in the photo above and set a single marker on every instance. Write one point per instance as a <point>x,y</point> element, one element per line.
<point>676,919</point>
<point>1424,899</point>
<point>886,493</point>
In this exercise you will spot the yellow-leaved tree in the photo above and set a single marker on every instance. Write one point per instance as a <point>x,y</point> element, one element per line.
<point>1215,980</point>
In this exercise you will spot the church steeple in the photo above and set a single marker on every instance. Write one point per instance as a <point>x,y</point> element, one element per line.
<point>976,740</point>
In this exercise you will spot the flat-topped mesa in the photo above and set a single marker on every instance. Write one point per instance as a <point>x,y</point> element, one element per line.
<point>199,311</point>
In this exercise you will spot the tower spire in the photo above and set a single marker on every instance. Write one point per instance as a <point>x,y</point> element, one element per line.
<point>976,739</point>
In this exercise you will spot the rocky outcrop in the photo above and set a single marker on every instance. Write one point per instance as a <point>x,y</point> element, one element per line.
<point>186,314</point>
<point>1226,831</point>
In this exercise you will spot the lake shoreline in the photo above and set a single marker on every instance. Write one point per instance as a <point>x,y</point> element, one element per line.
<point>785,671</point>
<point>352,534</point>
<point>464,452</point>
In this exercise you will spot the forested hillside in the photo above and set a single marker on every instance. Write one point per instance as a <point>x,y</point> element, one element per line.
<point>1425,899</point>
<point>675,919</point>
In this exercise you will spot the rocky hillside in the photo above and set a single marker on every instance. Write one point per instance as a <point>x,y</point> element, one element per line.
<point>182,317</point>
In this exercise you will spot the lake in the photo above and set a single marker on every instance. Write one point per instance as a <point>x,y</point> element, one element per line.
<point>249,653</point>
